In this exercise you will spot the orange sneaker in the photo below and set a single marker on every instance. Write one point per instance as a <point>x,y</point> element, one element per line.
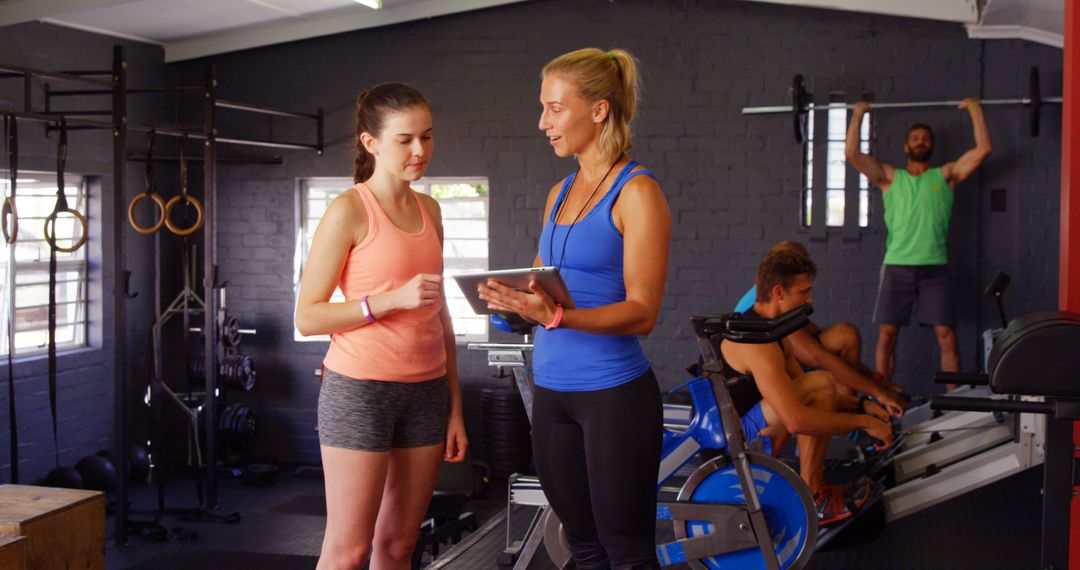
<point>831,506</point>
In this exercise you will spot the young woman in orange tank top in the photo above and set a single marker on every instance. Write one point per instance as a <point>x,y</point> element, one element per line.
<point>389,405</point>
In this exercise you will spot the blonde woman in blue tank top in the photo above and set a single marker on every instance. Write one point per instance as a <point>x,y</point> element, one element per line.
<point>597,414</point>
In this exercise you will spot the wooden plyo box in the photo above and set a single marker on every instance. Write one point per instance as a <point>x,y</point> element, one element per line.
<point>64,528</point>
<point>12,552</point>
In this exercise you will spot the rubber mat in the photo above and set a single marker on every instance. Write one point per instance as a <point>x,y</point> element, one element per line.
<point>206,558</point>
<point>310,505</point>
<point>478,552</point>
<point>997,526</point>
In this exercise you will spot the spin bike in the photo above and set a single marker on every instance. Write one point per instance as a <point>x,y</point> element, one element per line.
<point>741,509</point>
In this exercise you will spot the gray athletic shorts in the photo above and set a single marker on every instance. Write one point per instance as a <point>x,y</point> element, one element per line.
<point>901,286</point>
<point>374,415</point>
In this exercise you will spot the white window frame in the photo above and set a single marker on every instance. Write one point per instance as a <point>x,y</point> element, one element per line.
<point>36,195</point>
<point>451,264</point>
<point>835,193</point>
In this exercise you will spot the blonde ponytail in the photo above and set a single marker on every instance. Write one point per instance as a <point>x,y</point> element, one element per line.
<point>611,76</point>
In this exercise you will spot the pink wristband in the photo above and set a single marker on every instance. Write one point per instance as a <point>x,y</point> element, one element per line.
<point>366,309</point>
<point>558,318</point>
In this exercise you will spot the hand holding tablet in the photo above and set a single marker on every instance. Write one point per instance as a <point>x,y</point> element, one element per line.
<point>542,281</point>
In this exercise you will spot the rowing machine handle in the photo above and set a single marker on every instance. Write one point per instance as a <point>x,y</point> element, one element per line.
<point>989,405</point>
<point>749,329</point>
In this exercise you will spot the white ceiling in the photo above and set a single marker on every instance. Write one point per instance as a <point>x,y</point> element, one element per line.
<point>195,28</point>
<point>949,10</point>
<point>1040,21</point>
<point>1036,20</point>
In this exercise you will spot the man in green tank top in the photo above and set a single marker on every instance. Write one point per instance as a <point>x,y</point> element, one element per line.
<point>918,202</point>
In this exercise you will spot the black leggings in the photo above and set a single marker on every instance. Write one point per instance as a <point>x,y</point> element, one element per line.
<point>598,456</point>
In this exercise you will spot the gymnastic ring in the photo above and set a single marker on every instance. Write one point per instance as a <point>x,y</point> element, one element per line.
<point>51,239</point>
<point>198,221</point>
<point>10,233</point>
<point>146,230</point>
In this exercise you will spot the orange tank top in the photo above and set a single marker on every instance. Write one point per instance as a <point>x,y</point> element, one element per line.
<point>404,346</point>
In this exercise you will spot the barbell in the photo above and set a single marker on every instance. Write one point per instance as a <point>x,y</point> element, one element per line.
<point>801,104</point>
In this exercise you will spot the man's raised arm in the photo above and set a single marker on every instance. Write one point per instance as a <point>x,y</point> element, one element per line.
<point>878,173</point>
<point>957,171</point>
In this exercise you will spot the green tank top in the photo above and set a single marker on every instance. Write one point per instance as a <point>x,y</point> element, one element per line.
<point>917,211</point>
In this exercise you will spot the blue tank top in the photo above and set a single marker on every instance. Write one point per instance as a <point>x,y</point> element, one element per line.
<point>574,361</point>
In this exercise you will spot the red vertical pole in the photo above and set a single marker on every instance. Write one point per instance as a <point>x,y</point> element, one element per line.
<point>1069,266</point>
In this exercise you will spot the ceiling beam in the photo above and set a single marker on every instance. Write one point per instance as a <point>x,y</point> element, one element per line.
<point>22,11</point>
<point>1005,32</point>
<point>99,31</point>
<point>966,11</point>
<point>310,28</point>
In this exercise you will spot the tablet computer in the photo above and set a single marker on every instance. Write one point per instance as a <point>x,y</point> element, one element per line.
<point>548,278</point>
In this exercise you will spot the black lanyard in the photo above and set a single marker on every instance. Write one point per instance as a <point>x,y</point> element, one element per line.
<point>566,198</point>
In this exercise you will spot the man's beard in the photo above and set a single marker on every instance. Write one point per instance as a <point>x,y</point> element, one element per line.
<point>920,154</point>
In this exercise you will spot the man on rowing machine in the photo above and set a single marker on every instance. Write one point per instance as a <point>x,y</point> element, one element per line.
<point>775,398</point>
<point>836,348</point>
<point>918,202</point>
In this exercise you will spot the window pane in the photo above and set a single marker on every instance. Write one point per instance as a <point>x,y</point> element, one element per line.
<point>38,317</point>
<point>809,207</point>
<point>471,326</point>
<point>470,209</point>
<point>837,123</point>
<point>38,340</point>
<point>35,201</point>
<point>38,273</point>
<point>457,190</point>
<point>317,208</point>
<point>864,208</point>
<point>834,208</point>
<point>837,169</point>
<point>458,306</point>
<point>465,229</point>
<point>31,295</point>
<point>452,289</point>
<point>465,248</point>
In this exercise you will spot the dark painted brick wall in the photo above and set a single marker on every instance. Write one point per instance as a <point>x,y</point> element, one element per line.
<point>732,181</point>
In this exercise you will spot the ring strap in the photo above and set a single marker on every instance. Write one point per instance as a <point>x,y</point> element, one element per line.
<point>185,197</point>
<point>11,141</point>
<point>148,192</point>
<point>61,205</point>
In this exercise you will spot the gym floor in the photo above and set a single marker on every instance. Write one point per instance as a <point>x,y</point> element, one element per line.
<point>281,528</point>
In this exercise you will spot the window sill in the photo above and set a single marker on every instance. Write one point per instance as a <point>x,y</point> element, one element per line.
<point>461,340</point>
<point>43,355</point>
